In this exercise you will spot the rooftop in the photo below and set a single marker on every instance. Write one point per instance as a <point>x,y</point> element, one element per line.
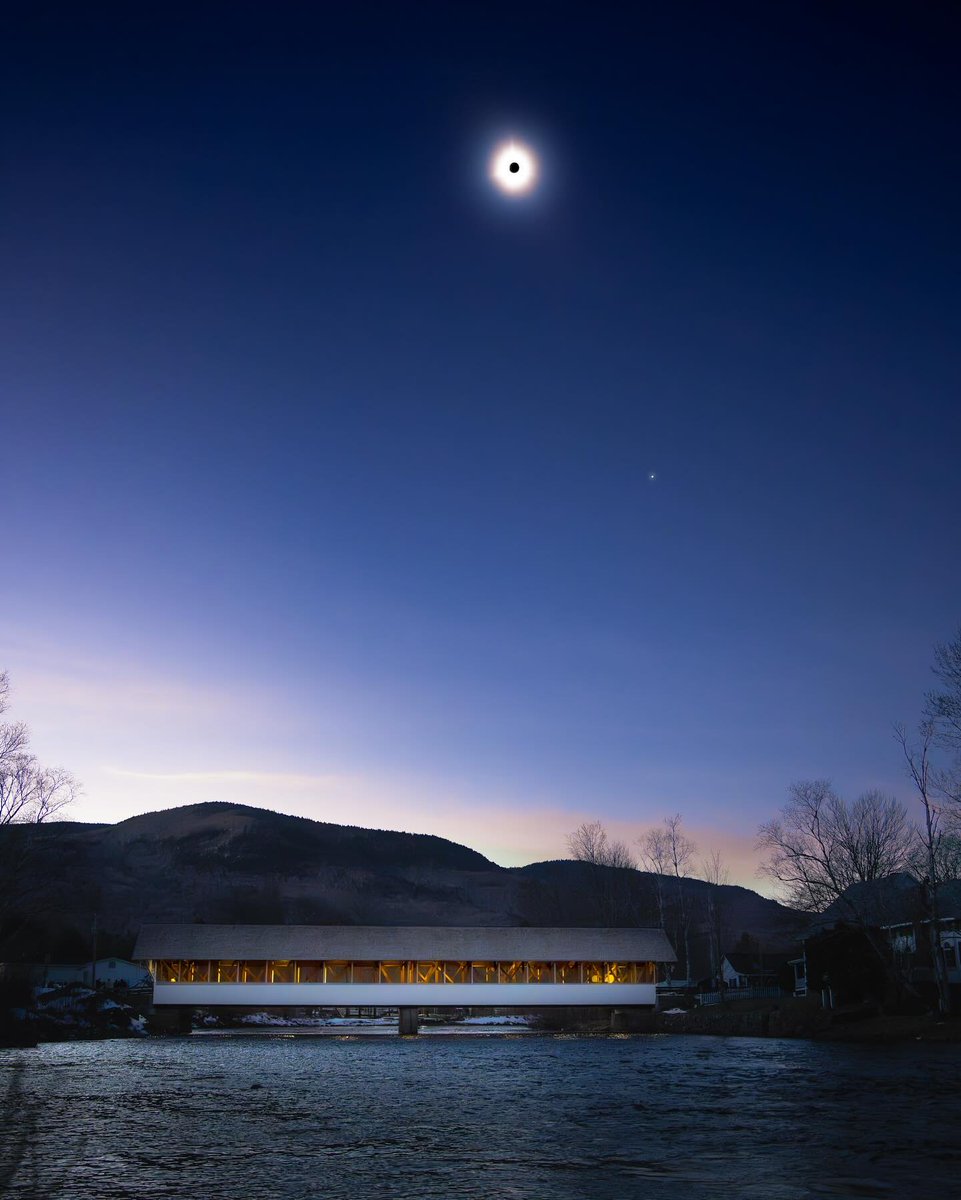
<point>386,943</point>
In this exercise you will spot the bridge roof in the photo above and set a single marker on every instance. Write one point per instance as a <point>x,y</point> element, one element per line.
<point>388,943</point>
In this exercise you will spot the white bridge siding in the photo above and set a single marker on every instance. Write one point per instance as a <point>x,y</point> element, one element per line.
<point>400,995</point>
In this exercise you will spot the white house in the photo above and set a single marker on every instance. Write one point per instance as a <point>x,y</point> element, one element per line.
<point>740,970</point>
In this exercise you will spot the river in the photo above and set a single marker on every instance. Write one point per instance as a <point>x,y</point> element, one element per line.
<point>545,1118</point>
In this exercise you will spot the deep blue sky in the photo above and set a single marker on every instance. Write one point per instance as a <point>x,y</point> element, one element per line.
<point>324,461</point>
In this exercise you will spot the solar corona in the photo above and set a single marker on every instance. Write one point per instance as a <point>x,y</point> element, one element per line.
<point>514,169</point>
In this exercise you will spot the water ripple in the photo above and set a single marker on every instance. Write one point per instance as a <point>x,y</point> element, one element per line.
<point>564,1117</point>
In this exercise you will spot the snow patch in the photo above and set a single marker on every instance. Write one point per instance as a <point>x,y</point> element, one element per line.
<point>512,1020</point>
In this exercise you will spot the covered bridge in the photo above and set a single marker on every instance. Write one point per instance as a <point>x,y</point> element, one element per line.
<point>401,966</point>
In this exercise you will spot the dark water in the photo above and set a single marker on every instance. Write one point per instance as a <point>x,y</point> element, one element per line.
<point>548,1118</point>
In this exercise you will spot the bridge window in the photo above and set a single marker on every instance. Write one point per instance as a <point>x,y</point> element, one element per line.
<point>366,971</point>
<point>393,972</point>
<point>512,972</point>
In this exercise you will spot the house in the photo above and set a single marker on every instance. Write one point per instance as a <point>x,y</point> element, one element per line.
<point>842,965</point>
<point>105,972</point>
<point>799,966</point>
<point>910,942</point>
<point>740,970</point>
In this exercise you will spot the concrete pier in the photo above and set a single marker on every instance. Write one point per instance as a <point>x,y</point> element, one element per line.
<point>407,1021</point>
<point>632,1020</point>
<point>171,1020</point>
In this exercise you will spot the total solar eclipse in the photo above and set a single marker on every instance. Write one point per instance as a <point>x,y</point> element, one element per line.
<point>514,168</point>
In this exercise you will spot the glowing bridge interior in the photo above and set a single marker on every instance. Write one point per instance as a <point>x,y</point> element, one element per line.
<point>387,966</point>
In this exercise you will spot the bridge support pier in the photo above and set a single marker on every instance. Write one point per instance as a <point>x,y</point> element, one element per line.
<point>632,1020</point>
<point>407,1021</point>
<point>170,1020</point>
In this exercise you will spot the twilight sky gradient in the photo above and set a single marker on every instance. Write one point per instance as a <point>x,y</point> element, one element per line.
<point>325,465</point>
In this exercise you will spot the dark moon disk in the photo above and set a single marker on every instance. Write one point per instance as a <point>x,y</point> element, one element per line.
<point>513,168</point>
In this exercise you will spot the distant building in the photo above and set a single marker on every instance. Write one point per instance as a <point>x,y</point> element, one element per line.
<point>800,968</point>
<point>386,967</point>
<point>104,972</point>
<point>745,970</point>
<point>910,942</point>
<point>850,964</point>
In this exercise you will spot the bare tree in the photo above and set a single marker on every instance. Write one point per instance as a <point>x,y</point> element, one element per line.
<point>819,845</point>
<point>947,856</point>
<point>943,707</point>
<point>589,843</point>
<point>942,720</point>
<point>655,856</point>
<point>929,788</point>
<point>873,834</point>
<point>606,858</point>
<point>14,737</point>
<point>29,792</point>
<point>682,851</point>
<point>715,873</point>
<point>668,853</point>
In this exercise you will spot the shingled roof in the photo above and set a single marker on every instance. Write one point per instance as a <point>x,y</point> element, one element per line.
<point>386,943</point>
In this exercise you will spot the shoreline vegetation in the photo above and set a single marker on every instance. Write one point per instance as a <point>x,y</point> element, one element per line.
<point>805,1019</point>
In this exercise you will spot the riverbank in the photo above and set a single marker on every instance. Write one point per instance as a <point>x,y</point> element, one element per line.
<point>69,1014</point>
<point>804,1018</point>
<point>82,1015</point>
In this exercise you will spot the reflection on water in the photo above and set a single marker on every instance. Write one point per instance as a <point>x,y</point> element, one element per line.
<point>557,1117</point>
